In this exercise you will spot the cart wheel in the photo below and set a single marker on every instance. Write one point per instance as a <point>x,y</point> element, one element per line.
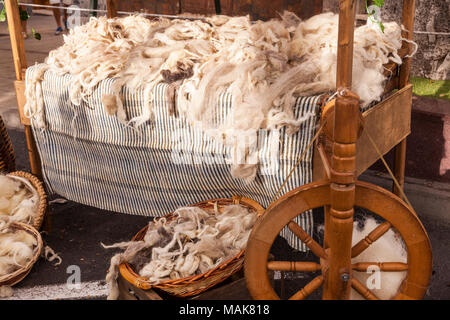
<point>314,195</point>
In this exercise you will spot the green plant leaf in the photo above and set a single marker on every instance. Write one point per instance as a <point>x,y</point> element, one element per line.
<point>3,15</point>
<point>36,35</point>
<point>378,3</point>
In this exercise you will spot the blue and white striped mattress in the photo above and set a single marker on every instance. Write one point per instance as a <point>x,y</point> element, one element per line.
<point>91,158</point>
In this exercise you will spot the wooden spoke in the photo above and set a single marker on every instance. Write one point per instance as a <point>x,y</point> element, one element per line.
<point>371,238</point>
<point>383,266</point>
<point>293,266</point>
<point>362,290</point>
<point>306,239</point>
<point>283,211</point>
<point>308,289</point>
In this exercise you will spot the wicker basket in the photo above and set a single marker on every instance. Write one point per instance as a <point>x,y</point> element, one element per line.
<point>193,285</point>
<point>7,156</point>
<point>18,275</point>
<point>8,165</point>
<point>37,184</point>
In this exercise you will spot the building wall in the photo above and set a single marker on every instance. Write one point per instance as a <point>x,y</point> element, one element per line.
<point>258,9</point>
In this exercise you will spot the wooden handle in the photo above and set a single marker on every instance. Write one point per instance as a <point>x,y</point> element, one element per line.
<point>345,43</point>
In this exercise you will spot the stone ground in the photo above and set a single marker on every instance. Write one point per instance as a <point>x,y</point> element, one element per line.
<point>77,230</point>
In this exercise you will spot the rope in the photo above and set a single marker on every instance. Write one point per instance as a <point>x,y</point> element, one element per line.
<point>374,145</point>
<point>104,11</point>
<point>299,160</point>
<point>163,15</point>
<point>432,32</point>
<point>397,184</point>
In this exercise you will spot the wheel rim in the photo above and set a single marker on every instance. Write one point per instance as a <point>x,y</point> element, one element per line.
<point>316,194</point>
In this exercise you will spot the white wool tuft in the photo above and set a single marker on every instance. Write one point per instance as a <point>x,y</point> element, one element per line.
<point>50,255</point>
<point>6,291</point>
<point>17,248</point>
<point>389,248</point>
<point>19,200</point>
<point>8,186</point>
<point>263,65</point>
<point>192,243</point>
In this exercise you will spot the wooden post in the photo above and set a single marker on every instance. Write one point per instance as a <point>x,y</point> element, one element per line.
<point>339,216</point>
<point>342,193</point>
<point>111,7</point>
<point>20,65</point>
<point>408,23</point>
<point>405,68</point>
<point>15,34</point>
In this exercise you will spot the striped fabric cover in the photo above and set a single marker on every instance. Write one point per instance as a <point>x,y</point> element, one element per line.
<point>91,158</point>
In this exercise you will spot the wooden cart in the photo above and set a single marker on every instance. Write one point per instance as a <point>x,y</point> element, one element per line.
<point>336,169</point>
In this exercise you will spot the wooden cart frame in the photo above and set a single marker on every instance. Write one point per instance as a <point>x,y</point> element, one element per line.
<point>389,124</point>
<point>393,110</point>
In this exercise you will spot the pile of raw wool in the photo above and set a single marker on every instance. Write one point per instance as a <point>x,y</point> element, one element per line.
<point>263,65</point>
<point>389,248</point>
<point>19,200</point>
<point>17,247</point>
<point>191,243</point>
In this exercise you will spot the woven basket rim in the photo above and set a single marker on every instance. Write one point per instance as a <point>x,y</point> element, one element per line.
<point>170,285</point>
<point>7,155</point>
<point>18,275</point>
<point>39,186</point>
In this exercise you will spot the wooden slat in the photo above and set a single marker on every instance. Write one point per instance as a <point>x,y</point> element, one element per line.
<point>400,150</point>
<point>362,290</point>
<point>391,67</point>
<point>304,266</point>
<point>388,123</point>
<point>391,85</point>
<point>129,292</point>
<point>373,236</point>
<point>383,266</point>
<point>408,22</point>
<point>308,289</point>
<point>236,290</point>
<point>307,240</point>
<point>20,95</point>
<point>35,161</point>
<point>20,65</point>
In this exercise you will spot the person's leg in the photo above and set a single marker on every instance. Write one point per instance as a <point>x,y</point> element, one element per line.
<point>57,15</point>
<point>66,3</point>
<point>65,17</point>
<point>24,25</point>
